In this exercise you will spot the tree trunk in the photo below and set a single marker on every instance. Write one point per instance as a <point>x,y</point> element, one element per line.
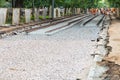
<point>17,3</point>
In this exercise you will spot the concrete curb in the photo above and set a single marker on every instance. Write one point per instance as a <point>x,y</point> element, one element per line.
<point>101,51</point>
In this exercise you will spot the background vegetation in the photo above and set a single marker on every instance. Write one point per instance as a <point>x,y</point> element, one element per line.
<point>60,3</point>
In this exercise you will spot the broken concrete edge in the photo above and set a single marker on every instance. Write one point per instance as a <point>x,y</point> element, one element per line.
<point>96,71</point>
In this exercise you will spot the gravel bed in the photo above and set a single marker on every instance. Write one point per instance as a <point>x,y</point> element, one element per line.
<point>62,56</point>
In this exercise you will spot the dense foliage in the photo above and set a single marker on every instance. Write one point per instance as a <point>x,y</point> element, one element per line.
<point>60,3</point>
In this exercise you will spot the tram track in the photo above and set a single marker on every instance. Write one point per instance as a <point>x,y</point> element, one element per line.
<point>30,27</point>
<point>89,19</point>
<point>10,30</point>
<point>68,23</point>
<point>95,20</point>
<point>37,23</point>
<point>67,45</point>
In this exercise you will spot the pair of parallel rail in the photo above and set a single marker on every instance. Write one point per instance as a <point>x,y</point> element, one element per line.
<point>32,26</point>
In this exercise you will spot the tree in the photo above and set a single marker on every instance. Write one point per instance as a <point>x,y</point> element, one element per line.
<point>65,3</point>
<point>17,3</point>
<point>2,2</point>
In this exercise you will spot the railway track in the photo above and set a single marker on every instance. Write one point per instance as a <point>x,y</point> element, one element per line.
<point>95,21</point>
<point>68,25</point>
<point>33,26</point>
<point>57,28</point>
<point>29,27</point>
<point>35,23</point>
<point>71,41</point>
<point>89,19</point>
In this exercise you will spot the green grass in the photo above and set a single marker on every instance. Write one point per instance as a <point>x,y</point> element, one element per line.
<point>9,20</point>
<point>41,17</point>
<point>22,19</point>
<point>32,17</point>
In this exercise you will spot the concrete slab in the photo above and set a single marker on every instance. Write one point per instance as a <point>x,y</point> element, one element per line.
<point>3,15</point>
<point>28,15</point>
<point>16,16</point>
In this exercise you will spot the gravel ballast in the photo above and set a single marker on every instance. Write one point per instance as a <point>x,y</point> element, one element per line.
<point>62,56</point>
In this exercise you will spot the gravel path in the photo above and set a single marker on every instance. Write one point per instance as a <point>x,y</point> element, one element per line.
<point>62,56</point>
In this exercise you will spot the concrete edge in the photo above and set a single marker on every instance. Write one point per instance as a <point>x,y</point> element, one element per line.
<point>96,71</point>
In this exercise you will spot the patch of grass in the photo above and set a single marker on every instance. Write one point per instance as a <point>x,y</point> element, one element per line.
<point>22,19</point>
<point>32,17</point>
<point>9,20</point>
<point>41,17</point>
<point>47,17</point>
<point>68,14</point>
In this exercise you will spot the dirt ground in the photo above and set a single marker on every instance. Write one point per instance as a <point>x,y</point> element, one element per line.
<point>114,42</point>
<point>113,58</point>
